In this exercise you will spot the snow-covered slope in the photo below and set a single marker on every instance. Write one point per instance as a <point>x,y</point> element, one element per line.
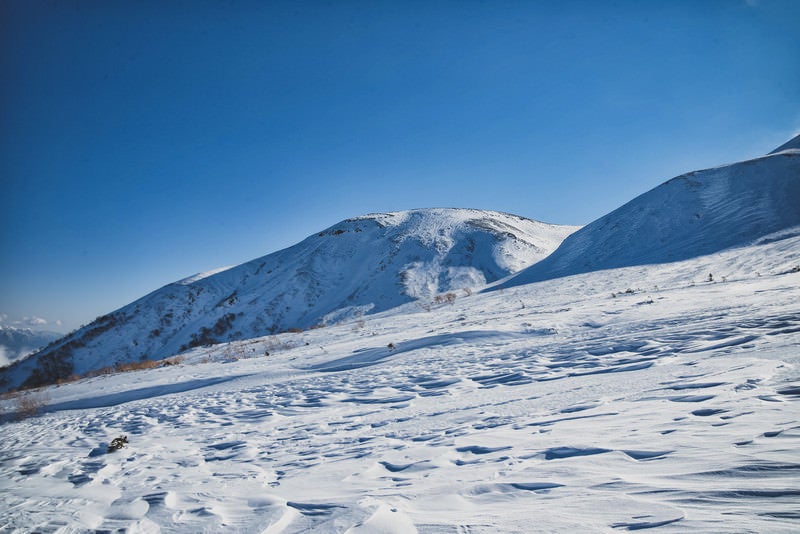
<point>16,343</point>
<point>792,144</point>
<point>359,266</point>
<point>694,214</point>
<point>550,407</point>
<point>619,399</point>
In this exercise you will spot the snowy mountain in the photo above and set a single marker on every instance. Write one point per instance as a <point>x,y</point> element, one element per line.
<point>628,398</point>
<point>791,144</point>
<point>549,407</point>
<point>17,343</point>
<point>363,265</point>
<point>692,215</point>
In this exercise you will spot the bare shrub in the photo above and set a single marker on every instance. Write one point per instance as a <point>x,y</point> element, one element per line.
<point>233,353</point>
<point>127,367</point>
<point>30,404</point>
<point>107,370</point>
<point>628,291</point>
<point>71,378</point>
<point>136,366</point>
<point>443,298</point>
<point>210,336</point>
<point>50,368</point>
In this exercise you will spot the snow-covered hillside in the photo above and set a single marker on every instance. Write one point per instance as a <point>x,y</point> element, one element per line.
<point>694,214</point>
<point>792,144</point>
<point>549,407</point>
<point>357,267</point>
<point>657,388</point>
<point>17,343</point>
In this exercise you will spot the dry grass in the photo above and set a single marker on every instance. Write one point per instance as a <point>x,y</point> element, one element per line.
<point>27,403</point>
<point>134,366</point>
<point>30,404</point>
<point>448,298</point>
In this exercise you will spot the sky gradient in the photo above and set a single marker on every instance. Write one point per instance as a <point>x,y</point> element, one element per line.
<point>142,142</point>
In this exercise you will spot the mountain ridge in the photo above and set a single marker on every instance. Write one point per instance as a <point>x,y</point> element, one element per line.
<point>791,144</point>
<point>378,261</point>
<point>358,266</point>
<point>694,214</point>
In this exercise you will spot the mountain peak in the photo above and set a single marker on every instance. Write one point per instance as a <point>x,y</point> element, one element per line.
<point>358,266</point>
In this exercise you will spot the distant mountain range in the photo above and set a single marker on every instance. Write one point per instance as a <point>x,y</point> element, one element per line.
<point>16,343</point>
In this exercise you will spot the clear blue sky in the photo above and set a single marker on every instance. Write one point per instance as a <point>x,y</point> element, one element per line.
<point>145,141</point>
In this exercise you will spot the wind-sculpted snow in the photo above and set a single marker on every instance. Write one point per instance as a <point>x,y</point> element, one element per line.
<point>359,266</point>
<point>695,214</point>
<point>620,400</point>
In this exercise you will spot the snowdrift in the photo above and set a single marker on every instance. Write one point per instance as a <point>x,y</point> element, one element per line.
<point>692,215</point>
<point>359,266</point>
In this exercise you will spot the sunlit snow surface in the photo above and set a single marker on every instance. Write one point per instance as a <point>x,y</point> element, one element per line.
<point>359,266</point>
<point>547,407</point>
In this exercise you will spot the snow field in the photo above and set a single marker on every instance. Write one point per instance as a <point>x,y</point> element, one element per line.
<point>547,407</point>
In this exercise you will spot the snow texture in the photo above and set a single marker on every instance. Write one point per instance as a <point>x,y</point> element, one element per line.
<point>550,407</point>
<point>658,388</point>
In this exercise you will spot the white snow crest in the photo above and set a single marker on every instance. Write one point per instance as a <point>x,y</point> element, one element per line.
<point>200,276</point>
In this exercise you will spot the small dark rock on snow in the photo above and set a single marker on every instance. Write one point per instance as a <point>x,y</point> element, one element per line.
<point>117,443</point>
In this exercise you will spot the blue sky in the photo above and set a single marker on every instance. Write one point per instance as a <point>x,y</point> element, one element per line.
<point>142,142</point>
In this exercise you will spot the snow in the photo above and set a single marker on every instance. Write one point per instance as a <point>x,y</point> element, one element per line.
<point>359,266</point>
<point>792,144</point>
<point>695,214</point>
<point>200,276</point>
<point>547,407</point>
<point>645,375</point>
